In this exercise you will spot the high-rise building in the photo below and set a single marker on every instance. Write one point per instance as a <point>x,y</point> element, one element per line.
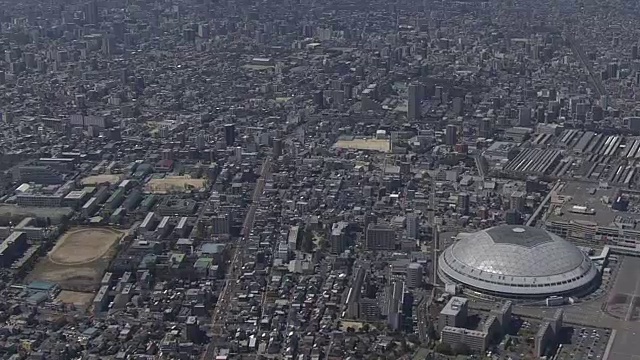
<point>463,203</point>
<point>457,105</point>
<point>503,314</point>
<point>203,31</point>
<point>454,313</point>
<point>380,237</point>
<point>91,15</point>
<point>394,299</point>
<point>414,275</point>
<point>318,99</point>
<point>338,239</point>
<point>413,109</point>
<point>230,134</point>
<point>451,135</point>
<point>556,322</point>
<point>543,339</point>
<point>413,225</point>
<point>517,200</point>
<point>221,224</point>
<point>278,145</point>
<point>369,309</point>
<point>485,128</point>
<point>524,117</point>
<point>108,44</point>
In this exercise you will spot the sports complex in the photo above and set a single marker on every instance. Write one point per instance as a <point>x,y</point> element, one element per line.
<point>517,262</point>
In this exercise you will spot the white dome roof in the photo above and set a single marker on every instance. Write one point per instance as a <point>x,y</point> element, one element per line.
<point>516,260</point>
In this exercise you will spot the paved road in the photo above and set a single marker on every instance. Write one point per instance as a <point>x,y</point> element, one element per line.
<point>237,254</point>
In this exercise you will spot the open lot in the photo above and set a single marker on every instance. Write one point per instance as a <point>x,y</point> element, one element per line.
<point>625,295</point>
<point>364,144</point>
<point>80,299</point>
<point>78,260</point>
<point>626,287</point>
<point>174,184</point>
<point>101,179</point>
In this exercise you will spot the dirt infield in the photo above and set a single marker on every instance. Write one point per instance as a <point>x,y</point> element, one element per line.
<point>174,184</point>
<point>82,246</point>
<point>75,298</point>
<point>77,262</point>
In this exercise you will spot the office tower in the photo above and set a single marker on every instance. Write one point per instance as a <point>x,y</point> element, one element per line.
<point>437,96</point>
<point>463,203</point>
<point>451,135</point>
<point>517,200</point>
<point>380,237</point>
<point>278,145</point>
<point>413,226</point>
<point>29,60</point>
<point>221,224</point>
<point>203,31</point>
<point>338,241</point>
<point>413,109</point>
<point>597,114</point>
<point>91,15</point>
<point>369,309</point>
<point>394,299</point>
<point>414,275</point>
<point>612,70</point>
<point>189,35</point>
<point>139,85</point>
<point>318,99</point>
<point>6,117</point>
<point>457,106</point>
<point>200,140</point>
<point>524,116</point>
<point>485,128</point>
<point>108,45</point>
<point>230,134</point>
<point>454,313</point>
<point>118,30</point>
<point>80,101</point>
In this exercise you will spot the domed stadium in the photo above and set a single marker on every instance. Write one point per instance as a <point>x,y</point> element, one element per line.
<point>517,262</point>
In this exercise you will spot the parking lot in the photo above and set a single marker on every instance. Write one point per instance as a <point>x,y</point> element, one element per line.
<point>583,343</point>
<point>623,304</point>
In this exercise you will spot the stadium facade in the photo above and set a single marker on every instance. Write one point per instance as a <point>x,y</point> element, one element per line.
<point>517,262</point>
